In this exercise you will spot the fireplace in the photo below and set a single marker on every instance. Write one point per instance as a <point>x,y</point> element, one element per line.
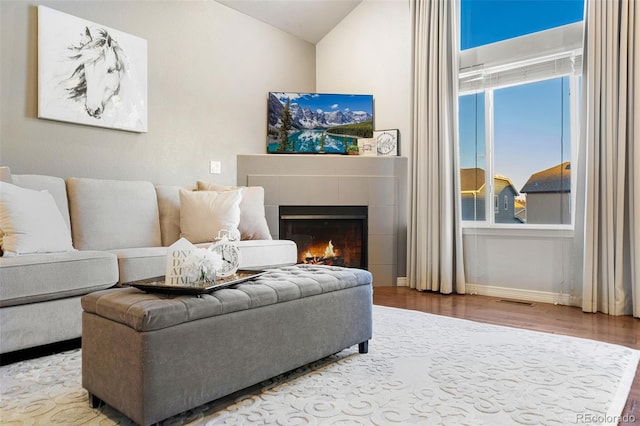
<point>327,235</point>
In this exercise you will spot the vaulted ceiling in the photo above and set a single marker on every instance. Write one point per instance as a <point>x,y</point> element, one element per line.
<point>309,20</point>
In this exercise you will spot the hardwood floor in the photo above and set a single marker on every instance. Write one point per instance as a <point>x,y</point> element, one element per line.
<point>549,318</point>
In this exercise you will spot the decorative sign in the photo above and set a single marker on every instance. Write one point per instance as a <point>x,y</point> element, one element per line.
<point>367,147</point>
<point>386,141</point>
<point>176,256</point>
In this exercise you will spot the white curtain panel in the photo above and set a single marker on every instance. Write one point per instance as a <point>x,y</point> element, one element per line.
<point>434,232</point>
<point>609,159</point>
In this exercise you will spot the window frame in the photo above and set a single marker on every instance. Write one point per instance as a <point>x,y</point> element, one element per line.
<point>522,60</point>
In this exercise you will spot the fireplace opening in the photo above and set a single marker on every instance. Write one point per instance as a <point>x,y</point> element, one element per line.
<point>327,235</point>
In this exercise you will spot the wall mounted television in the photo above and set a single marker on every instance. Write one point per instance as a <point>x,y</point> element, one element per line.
<point>317,123</point>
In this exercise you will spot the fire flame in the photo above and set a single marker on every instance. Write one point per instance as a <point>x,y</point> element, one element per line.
<point>328,252</point>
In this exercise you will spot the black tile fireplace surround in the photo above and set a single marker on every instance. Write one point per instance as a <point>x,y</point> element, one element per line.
<point>328,235</point>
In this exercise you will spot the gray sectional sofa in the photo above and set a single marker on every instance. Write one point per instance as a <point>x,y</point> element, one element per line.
<point>120,232</point>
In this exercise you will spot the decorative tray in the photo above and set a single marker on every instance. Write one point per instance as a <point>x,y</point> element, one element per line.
<point>158,285</point>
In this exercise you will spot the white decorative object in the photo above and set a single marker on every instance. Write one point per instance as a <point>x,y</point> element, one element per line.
<point>187,263</point>
<point>202,264</point>
<point>90,74</point>
<point>386,141</point>
<point>228,251</point>
<point>176,256</point>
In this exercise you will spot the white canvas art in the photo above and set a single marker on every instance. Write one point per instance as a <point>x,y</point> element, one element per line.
<point>90,74</point>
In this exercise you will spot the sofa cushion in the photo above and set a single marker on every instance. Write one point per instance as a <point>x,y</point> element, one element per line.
<point>113,214</point>
<point>31,222</point>
<point>169,209</point>
<point>36,324</point>
<point>204,213</point>
<point>39,277</point>
<point>253,223</point>
<point>260,254</point>
<point>140,263</point>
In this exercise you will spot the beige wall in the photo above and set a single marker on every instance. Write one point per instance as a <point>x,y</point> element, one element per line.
<point>210,69</point>
<point>370,52</point>
<point>528,264</point>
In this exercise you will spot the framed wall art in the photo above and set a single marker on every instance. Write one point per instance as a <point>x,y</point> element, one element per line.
<point>386,141</point>
<point>90,74</point>
<point>367,147</point>
<point>317,123</point>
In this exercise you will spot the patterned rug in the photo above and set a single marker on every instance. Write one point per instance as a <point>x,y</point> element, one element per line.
<point>421,369</point>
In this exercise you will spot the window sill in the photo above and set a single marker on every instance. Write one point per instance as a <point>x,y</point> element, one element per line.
<point>518,231</point>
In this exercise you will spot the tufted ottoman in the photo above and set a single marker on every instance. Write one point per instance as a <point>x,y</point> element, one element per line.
<point>152,356</point>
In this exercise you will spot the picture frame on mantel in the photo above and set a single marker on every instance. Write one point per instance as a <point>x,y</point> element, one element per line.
<point>386,142</point>
<point>90,74</point>
<point>367,147</point>
<point>317,123</point>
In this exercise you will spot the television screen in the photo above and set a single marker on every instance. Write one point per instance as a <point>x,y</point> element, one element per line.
<point>317,123</point>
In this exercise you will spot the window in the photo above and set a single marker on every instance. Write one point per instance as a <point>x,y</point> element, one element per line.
<point>518,106</point>
<point>490,21</point>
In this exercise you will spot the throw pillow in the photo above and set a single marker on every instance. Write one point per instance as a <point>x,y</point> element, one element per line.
<point>204,213</point>
<point>253,223</point>
<point>169,211</point>
<point>5,174</point>
<point>31,222</point>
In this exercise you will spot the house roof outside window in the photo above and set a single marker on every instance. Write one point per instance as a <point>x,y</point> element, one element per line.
<point>472,181</point>
<point>554,179</point>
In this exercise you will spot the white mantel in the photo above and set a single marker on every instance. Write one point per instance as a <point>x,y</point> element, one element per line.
<point>377,182</point>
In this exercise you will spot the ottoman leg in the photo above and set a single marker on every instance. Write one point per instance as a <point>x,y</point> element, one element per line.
<point>94,401</point>
<point>363,347</point>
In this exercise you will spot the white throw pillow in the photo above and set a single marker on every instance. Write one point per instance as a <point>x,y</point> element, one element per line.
<point>31,222</point>
<point>253,223</point>
<point>204,213</point>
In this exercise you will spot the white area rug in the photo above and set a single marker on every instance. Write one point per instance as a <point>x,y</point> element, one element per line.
<point>421,369</point>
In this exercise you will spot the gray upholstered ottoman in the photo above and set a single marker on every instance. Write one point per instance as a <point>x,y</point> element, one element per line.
<point>152,356</point>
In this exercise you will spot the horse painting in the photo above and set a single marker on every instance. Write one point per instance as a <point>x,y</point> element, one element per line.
<point>100,68</point>
<point>90,74</point>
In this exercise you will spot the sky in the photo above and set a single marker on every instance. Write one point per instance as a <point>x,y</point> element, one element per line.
<point>488,21</point>
<point>530,132</point>
<point>329,102</point>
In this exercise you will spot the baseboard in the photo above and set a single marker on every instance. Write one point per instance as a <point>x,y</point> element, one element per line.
<point>513,293</point>
<point>519,294</point>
